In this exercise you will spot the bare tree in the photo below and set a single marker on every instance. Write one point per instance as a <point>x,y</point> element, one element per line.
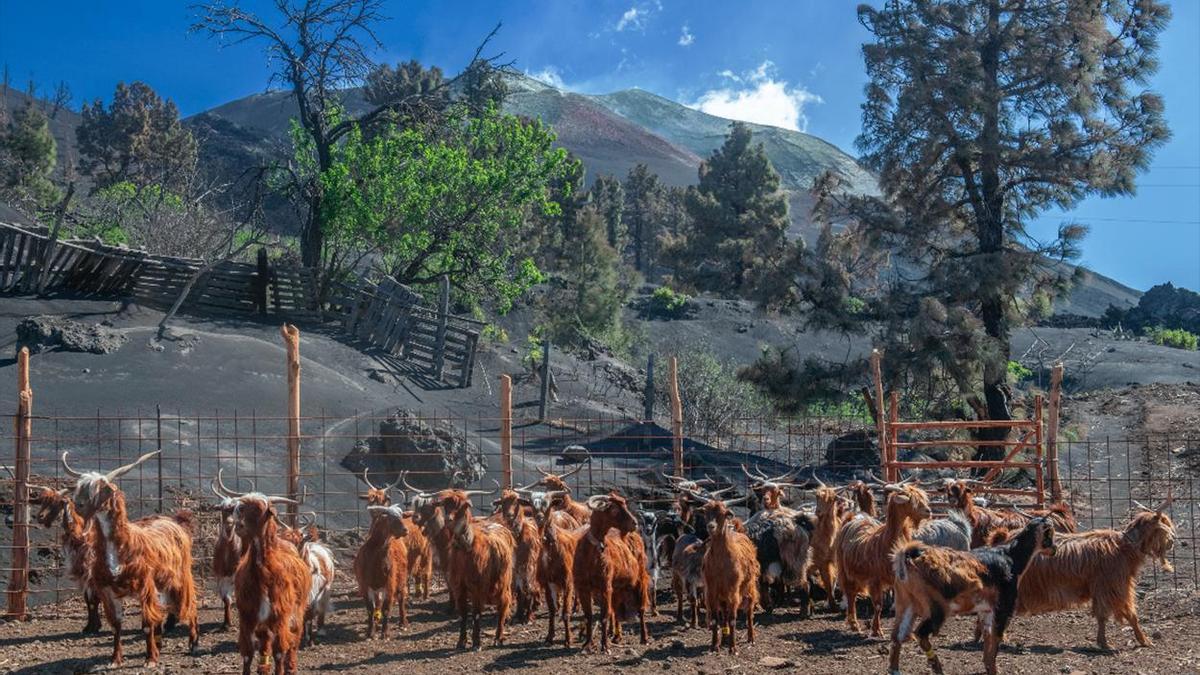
<point>318,48</point>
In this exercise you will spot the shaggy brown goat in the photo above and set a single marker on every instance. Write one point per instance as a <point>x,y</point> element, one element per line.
<point>511,508</point>
<point>557,483</point>
<point>781,536</point>
<point>420,553</point>
<point>272,585</point>
<point>560,534</point>
<point>822,554</point>
<point>1100,567</point>
<point>381,568</point>
<point>149,558</point>
<point>934,583</point>
<point>864,545</point>
<point>730,570</point>
<point>76,543</point>
<point>609,569</point>
<point>481,564</point>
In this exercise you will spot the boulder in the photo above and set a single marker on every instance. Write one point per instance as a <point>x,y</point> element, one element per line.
<point>436,455</point>
<point>44,333</point>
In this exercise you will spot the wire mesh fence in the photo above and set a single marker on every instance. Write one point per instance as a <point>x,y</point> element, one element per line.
<point>1103,478</point>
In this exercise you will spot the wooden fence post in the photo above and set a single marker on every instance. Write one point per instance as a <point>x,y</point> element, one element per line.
<point>893,434</point>
<point>439,342</point>
<point>506,431</point>
<point>1039,442</point>
<point>18,584</point>
<point>291,340</point>
<point>880,421</point>
<point>676,418</point>
<point>1056,376</point>
<point>545,376</point>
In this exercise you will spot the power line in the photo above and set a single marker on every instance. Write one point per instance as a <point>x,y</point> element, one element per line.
<point>1124,220</point>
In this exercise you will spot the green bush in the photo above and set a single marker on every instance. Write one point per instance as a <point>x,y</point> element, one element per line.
<point>667,302</point>
<point>1174,337</point>
<point>1018,372</point>
<point>494,334</point>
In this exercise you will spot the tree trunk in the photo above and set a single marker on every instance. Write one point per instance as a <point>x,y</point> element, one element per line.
<point>991,245</point>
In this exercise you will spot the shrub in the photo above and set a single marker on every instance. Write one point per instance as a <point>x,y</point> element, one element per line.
<point>1174,337</point>
<point>666,302</point>
<point>716,403</point>
<point>494,334</point>
<point>1018,372</point>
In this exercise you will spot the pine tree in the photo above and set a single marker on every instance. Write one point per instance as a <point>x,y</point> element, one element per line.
<point>587,295</point>
<point>736,239</point>
<point>608,196</point>
<point>138,138</point>
<point>645,208</point>
<point>27,160</point>
<point>979,116</point>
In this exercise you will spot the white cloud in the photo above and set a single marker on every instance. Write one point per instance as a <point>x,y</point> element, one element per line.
<point>549,75</point>
<point>632,18</point>
<point>759,96</point>
<point>685,37</point>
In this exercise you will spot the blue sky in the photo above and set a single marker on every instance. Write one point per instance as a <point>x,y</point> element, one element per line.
<point>788,62</point>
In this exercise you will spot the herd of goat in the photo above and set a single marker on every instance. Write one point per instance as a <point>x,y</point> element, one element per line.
<point>541,545</point>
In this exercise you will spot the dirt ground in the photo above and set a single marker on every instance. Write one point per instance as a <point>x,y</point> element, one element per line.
<point>1061,643</point>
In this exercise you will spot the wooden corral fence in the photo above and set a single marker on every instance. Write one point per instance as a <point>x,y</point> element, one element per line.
<point>1024,446</point>
<point>392,317</point>
<point>388,315</point>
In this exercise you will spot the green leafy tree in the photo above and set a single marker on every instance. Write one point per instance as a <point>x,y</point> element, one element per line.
<point>138,138</point>
<point>735,240</point>
<point>319,47</point>
<point>645,208</point>
<point>980,116</point>
<point>27,159</point>
<point>451,203</point>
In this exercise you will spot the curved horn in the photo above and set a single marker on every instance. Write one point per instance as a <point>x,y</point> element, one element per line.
<point>276,499</point>
<point>733,502</point>
<point>1140,505</point>
<point>381,509</point>
<point>368,480</point>
<point>122,470</point>
<point>875,479</point>
<point>544,472</point>
<point>818,479</point>
<point>572,472</point>
<point>598,502</point>
<point>760,477</point>
<point>528,488</point>
<point>225,491</point>
<point>306,519</point>
<point>471,493</point>
<point>1166,504</point>
<point>714,493</point>
<point>421,494</point>
<point>67,467</point>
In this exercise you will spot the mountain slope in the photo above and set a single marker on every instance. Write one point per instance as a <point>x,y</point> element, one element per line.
<point>797,156</point>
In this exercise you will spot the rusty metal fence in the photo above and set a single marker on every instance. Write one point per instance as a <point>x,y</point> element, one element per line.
<point>1102,477</point>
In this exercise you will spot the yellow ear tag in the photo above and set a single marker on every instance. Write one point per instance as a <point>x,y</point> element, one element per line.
<point>724,630</point>
<point>378,615</point>
<point>929,654</point>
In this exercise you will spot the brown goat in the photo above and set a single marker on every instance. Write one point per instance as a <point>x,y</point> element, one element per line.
<point>610,569</point>
<point>272,585</point>
<point>822,554</point>
<point>559,532</point>
<point>227,549</point>
<point>149,558</point>
<point>76,543</point>
<point>481,564</point>
<point>1100,567</point>
<point>864,545</point>
<point>934,583</point>
<point>512,508</point>
<point>381,568</point>
<point>420,553</point>
<point>730,571</point>
<point>559,493</point>
<point>983,520</point>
